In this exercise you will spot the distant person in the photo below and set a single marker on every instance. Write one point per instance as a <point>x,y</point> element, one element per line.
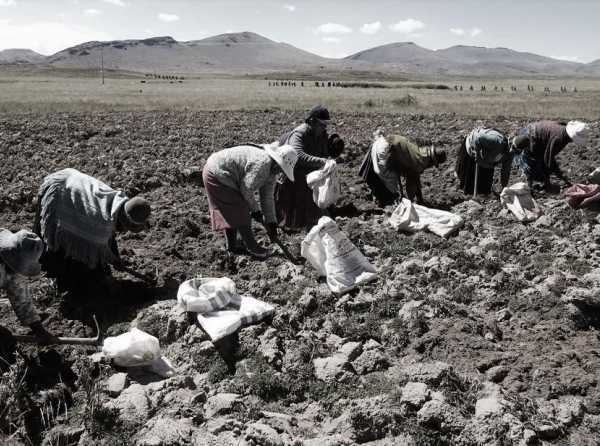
<point>476,158</point>
<point>78,217</point>
<point>393,157</point>
<point>294,199</point>
<point>538,145</point>
<point>231,179</point>
<point>19,259</point>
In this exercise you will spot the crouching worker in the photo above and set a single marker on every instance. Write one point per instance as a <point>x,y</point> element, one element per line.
<point>19,259</point>
<point>480,152</point>
<point>231,178</point>
<point>392,158</point>
<point>538,144</point>
<point>78,217</point>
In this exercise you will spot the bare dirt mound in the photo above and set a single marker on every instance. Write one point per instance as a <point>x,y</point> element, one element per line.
<point>489,337</point>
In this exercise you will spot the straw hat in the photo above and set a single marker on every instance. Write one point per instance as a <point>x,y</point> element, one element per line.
<point>136,212</point>
<point>21,251</point>
<point>285,156</point>
<point>578,131</point>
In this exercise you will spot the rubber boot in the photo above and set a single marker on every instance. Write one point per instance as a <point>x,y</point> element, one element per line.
<point>253,248</point>
<point>231,241</point>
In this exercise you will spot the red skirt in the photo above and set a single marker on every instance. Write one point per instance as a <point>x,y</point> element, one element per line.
<point>227,207</point>
<point>296,208</point>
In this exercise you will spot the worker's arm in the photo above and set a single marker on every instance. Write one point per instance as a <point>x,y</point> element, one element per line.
<point>413,188</point>
<point>505,171</point>
<point>305,160</point>
<point>267,200</point>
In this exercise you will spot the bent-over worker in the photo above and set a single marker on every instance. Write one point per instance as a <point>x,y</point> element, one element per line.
<point>78,217</point>
<point>19,259</point>
<point>538,144</point>
<point>394,157</point>
<point>478,155</point>
<point>231,178</point>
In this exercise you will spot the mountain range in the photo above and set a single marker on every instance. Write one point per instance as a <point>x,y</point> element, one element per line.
<point>247,52</point>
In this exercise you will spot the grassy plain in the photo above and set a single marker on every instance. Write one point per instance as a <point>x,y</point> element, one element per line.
<point>73,92</point>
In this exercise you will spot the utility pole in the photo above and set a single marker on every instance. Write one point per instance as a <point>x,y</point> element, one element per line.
<point>102,63</point>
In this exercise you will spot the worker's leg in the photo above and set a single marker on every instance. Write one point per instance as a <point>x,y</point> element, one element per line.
<point>231,239</point>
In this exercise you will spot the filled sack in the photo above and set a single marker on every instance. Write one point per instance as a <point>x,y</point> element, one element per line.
<point>594,177</point>
<point>132,349</point>
<point>412,217</point>
<point>335,257</point>
<point>517,198</point>
<point>325,185</point>
<point>205,294</point>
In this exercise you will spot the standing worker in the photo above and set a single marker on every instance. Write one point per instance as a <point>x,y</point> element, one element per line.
<point>391,158</point>
<point>78,217</point>
<point>480,152</point>
<point>231,178</point>
<point>19,259</point>
<point>294,199</point>
<point>538,144</point>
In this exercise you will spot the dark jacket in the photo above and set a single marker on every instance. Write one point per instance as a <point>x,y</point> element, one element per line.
<point>547,139</point>
<point>312,149</point>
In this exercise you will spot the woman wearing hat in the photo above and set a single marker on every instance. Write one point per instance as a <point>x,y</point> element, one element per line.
<point>294,200</point>
<point>538,144</point>
<point>392,158</point>
<point>477,157</point>
<point>19,259</point>
<point>231,178</point>
<point>78,217</point>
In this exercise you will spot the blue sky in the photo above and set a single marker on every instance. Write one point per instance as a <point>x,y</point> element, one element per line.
<point>333,28</point>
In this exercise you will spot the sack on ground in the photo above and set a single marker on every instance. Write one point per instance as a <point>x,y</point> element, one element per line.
<point>203,295</point>
<point>241,311</point>
<point>132,349</point>
<point>412,217</point>
<point>594,177</point>
<point>325,185</point>
<point>335,257</point>
<point>517,198</point>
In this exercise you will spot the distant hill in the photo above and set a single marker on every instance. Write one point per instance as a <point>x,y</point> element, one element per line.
<point>240,52</point>
<point>20,56</point>
<point>463,60</point>
<point>247,52</point>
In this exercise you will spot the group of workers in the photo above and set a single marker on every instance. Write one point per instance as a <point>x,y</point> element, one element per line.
<point>78,216</point>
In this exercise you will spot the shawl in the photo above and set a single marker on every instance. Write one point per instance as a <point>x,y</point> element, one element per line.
<point>78,215</point>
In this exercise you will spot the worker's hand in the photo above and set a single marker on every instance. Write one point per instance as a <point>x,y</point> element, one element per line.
<point>257,216</point>
<point>44,336</point>
<point>271,230</point>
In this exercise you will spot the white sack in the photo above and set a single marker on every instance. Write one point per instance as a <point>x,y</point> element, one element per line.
<point>203,295</point>
<point>517,198</point>
<point>242,310</point>
<point>414,217</point>
<point>334,256</point>
<point>131,349</point>
<point>162,367</point>
<point>325,185</point>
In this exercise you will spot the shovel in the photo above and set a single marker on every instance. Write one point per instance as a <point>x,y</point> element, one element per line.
<point>286,252</point>
<point>95,341</point>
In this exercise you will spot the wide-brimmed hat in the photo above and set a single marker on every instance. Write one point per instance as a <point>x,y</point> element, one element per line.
<point>319,113</point>
<point>21,251</point>
<point>578,131</point>
<point>285,156</point>
<point>136,212</point>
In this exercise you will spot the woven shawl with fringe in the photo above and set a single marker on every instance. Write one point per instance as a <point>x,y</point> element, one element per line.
<point>78,214</point>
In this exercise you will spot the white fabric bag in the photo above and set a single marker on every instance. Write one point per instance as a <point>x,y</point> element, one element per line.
<point>334,256</point>
<point>594,177</point>
<point>413,217</point>
<point>325,185</point>
<point>517,198</point>
<point>132,349</point>
<point>203,295</point>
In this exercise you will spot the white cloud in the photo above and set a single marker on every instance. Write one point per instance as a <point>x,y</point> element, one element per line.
<point>567,58</point>
<point>333,28</point>
<point>168,17</point>
<point>92,12</point>
<point>332,39</point>
<point>8,2</point>
<point>47,37</point>
<point>290,8</point>
<point>115,2</point>
<point>408,26</point>
<point>475,32</point>
<point>458,31</point>
<point>370,28</point>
